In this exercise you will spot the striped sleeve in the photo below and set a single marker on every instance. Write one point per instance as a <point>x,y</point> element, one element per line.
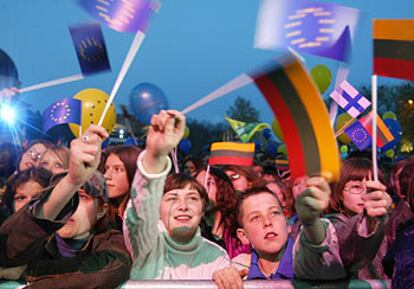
<point>142,213</point>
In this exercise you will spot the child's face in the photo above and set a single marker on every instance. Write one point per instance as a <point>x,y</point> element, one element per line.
<point>25,193</point>
<point>181,212</point>
<point>240,182</point>
<point>352,194</point>
<point>264,225</point>
<point>51,162</point>
<point>210,186</point>
<point>116,177</point>
<point>83,220</point>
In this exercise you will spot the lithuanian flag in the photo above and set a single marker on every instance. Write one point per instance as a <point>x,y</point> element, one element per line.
<point>303,118</point>
<point>394,48</point>
<point>231,153</point>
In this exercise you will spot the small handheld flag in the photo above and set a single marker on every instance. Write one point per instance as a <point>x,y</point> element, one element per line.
<point>120,15</point>
<point>353,102</point>
<point>303,118</point>
<point>394,48</point>
<point>384,135</point>
<point>67,110</point>
<point>90,48</point>
<point>245,131</point>
<point>231,153</point>
<point>359,135</point>
<point>322,29</point>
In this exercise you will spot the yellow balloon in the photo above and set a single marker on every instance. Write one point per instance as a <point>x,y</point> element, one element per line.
<point>93,104</point>
<point>282,149</point>
<point>186,132</point>
<point>342,119</point>
<point>276,129</point>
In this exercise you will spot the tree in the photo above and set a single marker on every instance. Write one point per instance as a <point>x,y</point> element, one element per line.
<point>243,110</point>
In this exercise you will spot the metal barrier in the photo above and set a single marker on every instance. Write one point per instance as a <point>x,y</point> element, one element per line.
<point>256,284</point>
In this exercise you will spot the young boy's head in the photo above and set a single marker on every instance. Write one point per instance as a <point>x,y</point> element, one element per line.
<point>182,206</point>
<point>262,222</point>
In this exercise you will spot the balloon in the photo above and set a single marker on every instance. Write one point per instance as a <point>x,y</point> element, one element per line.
<point>267,133</point>
<point>322,77</point>
<point>342,119</point>
<point>147,99</point>
<point>389,115</point>
<point>390,153</point>
<point>93,104</point>
<point>276,129</point>
<point>271,149</point>
<point>257,145</point>
<point>186,132</point>
<point>344,156</point>
<point>185,146</point>
<point>282,150</point>
<point>396,131</point>
<point>344,149</point>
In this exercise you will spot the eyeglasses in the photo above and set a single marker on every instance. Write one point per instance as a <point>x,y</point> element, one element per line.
<point>355,187</point>
<point>34,154</point>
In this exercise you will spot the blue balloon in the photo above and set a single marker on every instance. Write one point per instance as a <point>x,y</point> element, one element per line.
<point>267,133</point>
<point>271,149</point>
<point>185,146</point>
<point>147,99</point>
<point>395,129</point>
<point>257,145</point>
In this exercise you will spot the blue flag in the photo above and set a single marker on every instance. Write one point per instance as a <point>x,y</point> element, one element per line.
<point>359,135</point>
<point>122,15</point>
<point>67,110</point>
<point>322,29</point>
<point>90,48</point>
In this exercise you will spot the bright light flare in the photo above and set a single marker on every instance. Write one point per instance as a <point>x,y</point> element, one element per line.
<point>7,114</point>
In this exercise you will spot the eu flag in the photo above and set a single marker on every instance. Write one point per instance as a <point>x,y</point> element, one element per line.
<point>67,110</point>
<point>318,28</point>
<point>122,15</point>
<point>359,135</point>
<point>90,48</point>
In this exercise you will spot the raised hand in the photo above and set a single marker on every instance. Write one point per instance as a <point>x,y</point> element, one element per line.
<point>311,203</point>
<point>85,154</point>
<point>166,130</point>
<point>377,202</point>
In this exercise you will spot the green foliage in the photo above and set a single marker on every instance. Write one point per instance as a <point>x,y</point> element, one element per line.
<point>243,110</point>
<point>203,133</point>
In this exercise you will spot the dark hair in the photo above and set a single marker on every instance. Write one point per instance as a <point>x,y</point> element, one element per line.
<point>128,155</point>
<point>353,169</point>
<point>9,159</point>
<point>180,181</point>
<point>226,197</point>
<point>192,159</point>
<point>253,192</point>
<point>38,175</point>
<point>400,178</point>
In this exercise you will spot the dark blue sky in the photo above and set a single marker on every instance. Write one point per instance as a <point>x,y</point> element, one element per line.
<point>192,48</point>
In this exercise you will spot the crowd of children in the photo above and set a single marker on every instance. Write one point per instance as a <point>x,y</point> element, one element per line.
<point>71,218</point>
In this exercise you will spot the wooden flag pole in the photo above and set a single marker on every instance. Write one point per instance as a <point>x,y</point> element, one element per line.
<point>50,83</point>
<point>374,127</point>
<point>136,44</point>
<point>230,86</point>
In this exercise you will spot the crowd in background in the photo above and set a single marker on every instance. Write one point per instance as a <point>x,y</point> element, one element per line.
<point>98,219</point>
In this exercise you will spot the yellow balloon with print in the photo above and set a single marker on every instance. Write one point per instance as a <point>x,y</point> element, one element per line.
<point>342,119</point>
<point>93,105</point>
